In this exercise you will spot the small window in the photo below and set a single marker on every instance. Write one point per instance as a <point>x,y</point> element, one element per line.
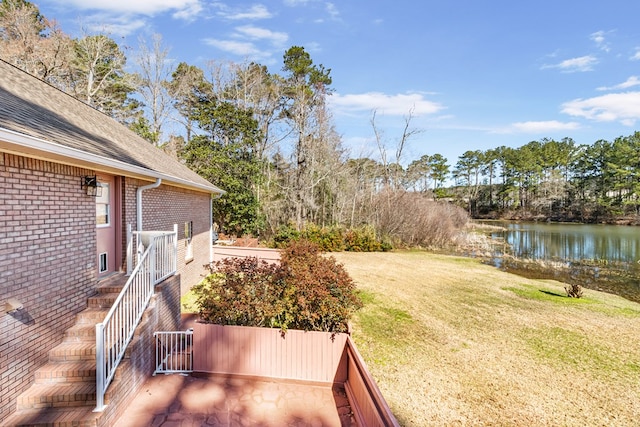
<point>102,259</point>
<point>103,217</point>
<point>188,238</point>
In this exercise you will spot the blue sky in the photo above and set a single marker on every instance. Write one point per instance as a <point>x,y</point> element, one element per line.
<point>474,74</point>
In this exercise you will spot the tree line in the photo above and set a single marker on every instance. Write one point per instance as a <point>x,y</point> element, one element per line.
<point>557,180</point>
<point>269,140</point>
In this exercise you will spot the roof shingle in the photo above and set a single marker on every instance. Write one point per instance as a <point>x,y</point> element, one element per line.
<point>34,108</point>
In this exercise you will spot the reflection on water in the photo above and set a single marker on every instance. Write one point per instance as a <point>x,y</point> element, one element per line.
<point>608,255</point>
<point>571,242</point>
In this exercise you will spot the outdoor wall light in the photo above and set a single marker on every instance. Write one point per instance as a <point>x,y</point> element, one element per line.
<point>91,185</point>
<point>12,305</point>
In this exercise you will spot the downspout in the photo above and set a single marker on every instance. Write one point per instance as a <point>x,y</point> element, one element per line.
<point>214,198</point>
<point>139,200</point>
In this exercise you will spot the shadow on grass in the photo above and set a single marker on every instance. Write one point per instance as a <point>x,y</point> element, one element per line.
<point>553,294</point>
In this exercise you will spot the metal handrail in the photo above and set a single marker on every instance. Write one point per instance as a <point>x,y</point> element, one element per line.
<point>114,334</point>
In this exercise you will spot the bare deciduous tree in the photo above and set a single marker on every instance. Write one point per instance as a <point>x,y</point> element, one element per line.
<point>393,169</point>
<point>152,84</point>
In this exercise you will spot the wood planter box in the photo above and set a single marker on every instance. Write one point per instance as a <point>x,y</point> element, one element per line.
<point>320,358</point>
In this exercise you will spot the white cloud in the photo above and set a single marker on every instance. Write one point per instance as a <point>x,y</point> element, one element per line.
<point>181,8</point>
<point>295,2</point>
<point>614,107</point>
<point>112,25</point>
<point>332,10</point>
<point>236,47</point>
<point>630,82</point>
<point>255,12</point>
<point>599,39</point>
<point>572,65</point>
<point>124,17</point>
<point>399,104</point>
<point>636,55</point>
<point>189,13</point>
<point>256,33</point>
<point>542,126</point>
<point>246,41</point>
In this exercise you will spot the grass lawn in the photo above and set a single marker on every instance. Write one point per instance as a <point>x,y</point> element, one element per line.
<point>452,342</point>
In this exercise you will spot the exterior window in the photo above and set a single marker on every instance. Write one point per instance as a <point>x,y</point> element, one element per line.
<point>102,259</point>
<point>103,214</point>
<point>188,237</point>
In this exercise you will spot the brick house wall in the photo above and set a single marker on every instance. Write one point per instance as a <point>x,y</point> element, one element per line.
<point>47,262</point>
<point>165,206</point>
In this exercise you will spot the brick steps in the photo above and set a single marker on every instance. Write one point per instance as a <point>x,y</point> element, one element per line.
<point>102,300</point>
<point>91,315</point>
<point>64,391</point>
<point>56,395</point>
<point>58,417</point>
<point>67,371</point>
<point>72,351</point>
<point>109,289</point>
<point>81,332</point>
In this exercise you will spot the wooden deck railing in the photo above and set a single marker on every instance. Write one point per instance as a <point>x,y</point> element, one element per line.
<point>367,403</point>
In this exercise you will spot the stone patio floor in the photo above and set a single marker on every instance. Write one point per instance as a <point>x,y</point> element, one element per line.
<point>189,401</point>
<point>179,400</point>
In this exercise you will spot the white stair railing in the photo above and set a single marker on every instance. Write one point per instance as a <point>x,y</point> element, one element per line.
<point>113,335</point>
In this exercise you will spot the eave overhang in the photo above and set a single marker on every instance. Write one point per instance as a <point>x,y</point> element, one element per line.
<point>25,145</point>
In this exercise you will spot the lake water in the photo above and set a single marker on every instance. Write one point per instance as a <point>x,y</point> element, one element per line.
<point>605,257</point>
<point>572,242</point>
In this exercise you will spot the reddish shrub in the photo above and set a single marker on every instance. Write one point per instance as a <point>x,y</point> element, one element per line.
<point>323,294</point>
<point>305,291</point>
<point>240,291</point>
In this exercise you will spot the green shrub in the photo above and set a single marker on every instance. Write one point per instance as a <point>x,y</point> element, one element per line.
<point>284,235</point>
<point>305,291</point>
<point>362,240</point>
<point>328,239</point>
<point>332,239</point>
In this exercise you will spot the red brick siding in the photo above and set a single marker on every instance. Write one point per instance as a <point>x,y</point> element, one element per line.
<point>165,206</point>
<point>47,262</point>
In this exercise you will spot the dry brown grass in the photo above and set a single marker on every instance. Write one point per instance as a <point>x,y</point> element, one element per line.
<point>452,342</point>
